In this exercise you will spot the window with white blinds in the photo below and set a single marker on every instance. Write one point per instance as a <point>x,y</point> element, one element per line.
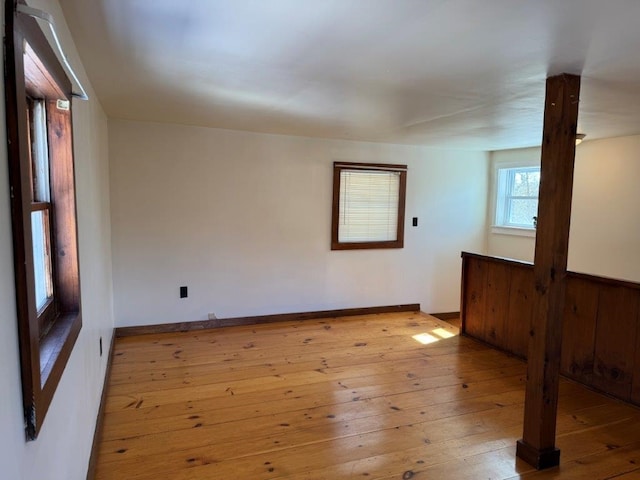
<point>368,206</point>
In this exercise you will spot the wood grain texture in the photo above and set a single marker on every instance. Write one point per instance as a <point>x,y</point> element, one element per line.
<point>579,329</point>
<point>472,309</point>
<point>446,315</point>
<point>260,319</point>
<point>336,398</point>
<point>601,337</point>
<point>520,310</point>
<point>67,272</point>
<point>550,268</point>
<point>635,385</point>
<point>18,146</point>
<point>39,375</point>
<point>615,340</point>
<point>496,309</point>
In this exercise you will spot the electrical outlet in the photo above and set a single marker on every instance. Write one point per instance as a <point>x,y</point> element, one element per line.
<point>100,346</point>
<point>212,316</point>
<point>183,292</point>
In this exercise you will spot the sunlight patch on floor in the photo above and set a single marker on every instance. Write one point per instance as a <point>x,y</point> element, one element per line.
<point>434,336</point>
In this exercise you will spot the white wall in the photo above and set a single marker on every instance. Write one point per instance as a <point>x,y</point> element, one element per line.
<point>62,449</point>
<point>503,244</point>
<point>605,218</point>
<point>605,225</point>
<point>244,221</point>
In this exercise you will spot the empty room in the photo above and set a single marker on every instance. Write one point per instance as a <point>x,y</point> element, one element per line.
<point>331,239</point>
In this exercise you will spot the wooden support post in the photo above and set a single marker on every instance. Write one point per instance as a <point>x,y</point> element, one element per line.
<point>537,446</point>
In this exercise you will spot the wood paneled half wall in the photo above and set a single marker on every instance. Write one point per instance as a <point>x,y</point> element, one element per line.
<point>601,336</point>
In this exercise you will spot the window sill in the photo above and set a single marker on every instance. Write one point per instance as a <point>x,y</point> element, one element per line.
<point>63,334</point>
<point>54,350</point>
<point>517,231</point>
<point>366,245</point>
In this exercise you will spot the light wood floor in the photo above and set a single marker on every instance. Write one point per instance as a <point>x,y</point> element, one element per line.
<point>359,397</point>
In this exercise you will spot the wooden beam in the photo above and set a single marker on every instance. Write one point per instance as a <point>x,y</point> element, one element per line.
<point>537,446</point>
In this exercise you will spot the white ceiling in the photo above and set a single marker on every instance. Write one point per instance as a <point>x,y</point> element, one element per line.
<point>451,73</point>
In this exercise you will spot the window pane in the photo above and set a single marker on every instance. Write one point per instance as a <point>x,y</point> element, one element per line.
<point>522,211</point>
<point>368,206</point>
<point>39,152</point>
<point>526,184</point>
<point>41,257</point>
<point>517,196</point>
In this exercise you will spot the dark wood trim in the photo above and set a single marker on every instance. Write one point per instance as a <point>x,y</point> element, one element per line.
<point>41,47</point>
<point>579,275</point>
<point>366,245</point>
<point>370,166</point>
<point>463,297</point>
<point>335,206</point>
<point>65,232</point>
<point>39,206</point>
<point>402,202</point>
<point>335,209</point>
<point>20,189</point>
<point>121,332</point>
<point>539,318</point>
<point>550,270</point>
<point>604,280</point>
<point>60,339</point>
<point>446,315</point>
<point>97,435</point>
<point>539,459</point>
<point>43,355</point>
<point>497,259</point>
<point>260,319</point>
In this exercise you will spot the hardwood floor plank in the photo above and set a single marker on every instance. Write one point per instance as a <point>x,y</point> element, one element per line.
<point>293,398</point>
<point>361,399</point>
<point>603,465</point>
<point>295,373</point>
<point>339,399</point>
<point>261,432</point>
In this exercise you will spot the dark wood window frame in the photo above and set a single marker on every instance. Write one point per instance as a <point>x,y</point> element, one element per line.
<point>46,336</point>
<point>338,167</point>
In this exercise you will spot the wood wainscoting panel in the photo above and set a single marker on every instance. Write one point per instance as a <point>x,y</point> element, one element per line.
<point>635,382</point>
<point>601,321</point>
<point>616,340</point>
<point>579,329</point>
<point>472,311</point>
<point>496,309</point>
<point>520,311</point>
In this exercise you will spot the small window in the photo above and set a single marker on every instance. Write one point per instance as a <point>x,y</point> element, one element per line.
<point>517,197</point>
<point>43,207</point>
<point>368,206</point>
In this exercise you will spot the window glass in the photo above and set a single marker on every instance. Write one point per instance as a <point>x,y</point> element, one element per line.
<point>517,196</point>
<point>39,151</point>
<point>41,257</point>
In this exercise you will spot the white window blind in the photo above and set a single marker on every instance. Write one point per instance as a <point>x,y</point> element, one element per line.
<point>368,210</point>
